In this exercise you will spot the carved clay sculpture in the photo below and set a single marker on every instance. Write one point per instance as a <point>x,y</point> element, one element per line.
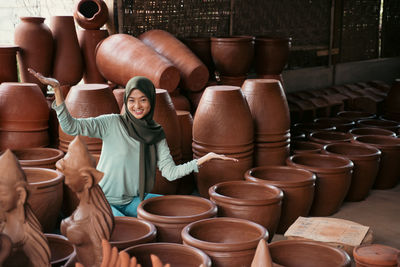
<point>17,220</point>
<point>262,257</point>
<point>92,220</point>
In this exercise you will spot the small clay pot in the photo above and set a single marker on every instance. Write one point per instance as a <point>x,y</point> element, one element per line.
<point>371,131</point>
<point>297,186</point>
<point>299,147</point>
<point>297,253</point>
<point>8,63</point>
<point>41,157</point>
<point>262,205</point>
<point>341,124</point>
<point>91,14</point>
<point>201,47</point>
<point>366,165</point>
<point>372,255</point>
<point>61,250</point>
<point>171,213</point>
<point>382,124</point>
<point>176,255</point>
<point>355,115</point>
<point>129,231</point>
<point>328,137</point>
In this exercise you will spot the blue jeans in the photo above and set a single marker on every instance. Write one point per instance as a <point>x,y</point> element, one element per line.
<point>130,209</point>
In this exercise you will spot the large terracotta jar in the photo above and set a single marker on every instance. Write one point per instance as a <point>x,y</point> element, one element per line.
<point>120,57</point>
<point>297,186</point>
<point>223,124</point>
<point>91,14</point>
<point>371,131</point>
<point>389,170</point>
<point>299,147</point>
<point>176,255</point>
<point>328,137</point>
<point>376,255</point>
<point>227,241</point>
<point>341,124</point>
<point>45,195</point>
<point>88,40</point>
<point>170,214</point>
<point>24,116</point>
<point>271,117</point>
<point>255,202</point>
<point>393,126</point>
<point>201,47</point>
<point>68,62</point>
<point>130,231</point>
<point>333,180</point>
<point>297,253</point>
<point>366,165</point>
<point>8,63</point>
<point>61,250</point>
<point>35,41</point>
<point>194,74</point>
<point>41,157</point>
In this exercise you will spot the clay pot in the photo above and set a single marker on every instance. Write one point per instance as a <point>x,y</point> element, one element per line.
<point>297,253</point>
<point>232,135</point>
<point>262,205</point>
<point>41,157</point>
<point>341,124</point>
<point>67,51</point>
<point>45,195</point>
<point>393,126</point>
<point>328,137</point>
<point>299,147</point>
<point>91,14</point>
<point>129,231</point>
<point>297,186</point>
<point>35,41</point>
<point>88,40</point>
<point>372,255</point>
<point>309,127</point>
<point>194,74</point>
<point>180,102</point>
<point>333,180</point>
<point>194,98</point>
<point>120,57</point>
<point>355,115</point>
<point>171,213</point>
<point>8,63</point>
<point>176,255</point>
<point>366,165</point>
<point>389,170</point>
<point>201,47</point>
<point>371,131</point>
<point>119,96</point>
<point>61,250</point>
<point>24,116</point>
<point>227,241</point>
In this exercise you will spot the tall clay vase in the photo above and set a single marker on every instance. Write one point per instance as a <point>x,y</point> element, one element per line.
<point>91,14</point>
<point>256,202</point>
<point>61,250</point>
<point>24,116</point>
<point>270,112</point>
<point>68,62</point>
<point>8,63</point>
<point>40,157</point>
<point>36,48</point>
<point>333,180</point>
<point>194,74</point>
<point>389,170</point>
<point>223,124</point>
<point>298,190</point>
<point>370,255</point>
<point>120,57</point>
<point>227,241</point>
<point>88,40</point>
<point>170,214</point>
<point>371,131</point>
<point>366,165</point>
<point>201,47</point>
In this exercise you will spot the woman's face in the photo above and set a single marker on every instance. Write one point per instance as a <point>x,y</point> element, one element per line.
<point>138,104</point>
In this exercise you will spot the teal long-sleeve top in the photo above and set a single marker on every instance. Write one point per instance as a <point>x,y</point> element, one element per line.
<point>119,160</point>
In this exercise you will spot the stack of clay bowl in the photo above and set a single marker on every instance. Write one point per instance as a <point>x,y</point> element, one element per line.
<point>298,147</point>
<point>371,131</point>
<point>392,102</point>
<point>223,124</point>
<point>333,180</point>
<point>376,255</point>
<point>61,250</point>
<point>270,112</point>
<point>328,137</point>
<point>341,124</point>
<point>262,205</point>
<point>8,63</point>
<point>393,126</point>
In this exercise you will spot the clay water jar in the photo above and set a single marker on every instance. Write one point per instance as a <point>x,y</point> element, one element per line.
<point>297,253</point>
<point>298,187</point>
<point>41,157</point>
<point>114,60</point>
<point>177,255</point>
<point>328,137</point>
<point>227,241</point>
<point>371,131</point>
<point>333,180</point>
<point>61,250</point>
<point>194,74</point>
<point>299,147</point>
<point>257,202</point>
<point>366,165</point>
<point>341,124</point>
<point>91,14</point>
<point>355,115</point>
<point>45,195</point>
<point>393,126</point>
<point>8,63</point>
<point>389,170</point>
<point>373,255</point>
<point>130,231</point>
<point>232,134</point>
<point>170,214</point>
<point>201,47</point>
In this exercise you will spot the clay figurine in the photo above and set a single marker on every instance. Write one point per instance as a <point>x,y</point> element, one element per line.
<point>262,257</point>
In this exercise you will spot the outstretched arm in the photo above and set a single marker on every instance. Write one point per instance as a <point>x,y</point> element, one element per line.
<point>52,82</point>
<point>213,155</point>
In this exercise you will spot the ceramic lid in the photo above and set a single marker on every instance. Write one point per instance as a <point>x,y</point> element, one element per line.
<point>376,254</point>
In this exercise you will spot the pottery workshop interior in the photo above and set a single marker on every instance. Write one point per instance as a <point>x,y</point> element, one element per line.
<point>199,133</point>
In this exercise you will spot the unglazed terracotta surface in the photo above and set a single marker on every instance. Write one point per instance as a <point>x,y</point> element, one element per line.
<point>271,54</point>
<point>393,126</point>
<point>375,255</point>
<point>201,47</point>
<point>8,63</point>
<point>61,249</point>
<point>328,137</point>
<point>40,157</point>
<point>299,147</point>
<point>371,131</point>
<point>341,124</point>
<point>91,14</point>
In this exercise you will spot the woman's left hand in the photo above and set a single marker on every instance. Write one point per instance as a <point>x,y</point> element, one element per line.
<point>213,155</point>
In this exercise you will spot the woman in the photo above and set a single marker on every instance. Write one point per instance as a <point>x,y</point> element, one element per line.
<point>133,145</point>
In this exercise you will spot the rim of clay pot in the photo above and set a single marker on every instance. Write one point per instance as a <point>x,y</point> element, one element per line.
<point>380,141</point>
<point>331,163</point>
<point>228,39</point>
<point>309,147</point>
<point>312,126</point>
<point>197,39</point>
<point>63,240</point>
<point>8,49</point>
<point>281,176</point>
<point>378,123</point>
<point>325,137</point>
<point>91,87</point>
<point>36,19</point>
<point>355,115</point>
<point>353,151</point>
<point>376,255</point>
<point>273,39</point>
<point>37,155</point>
<point>211,209</point>
<point>272,193</point>
<point>231,246</point>
<point>371,131</point>
<point>43,182</point>
<point>81,15</point>
<point>334,121</point>
<point>63,17</point>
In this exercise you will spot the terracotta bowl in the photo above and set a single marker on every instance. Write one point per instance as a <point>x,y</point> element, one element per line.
<point>375,255</point>
<point>341,124</point>
<point>382,124</point>
<point>309,127</point>
<point>129,231</point>
<point>355,115</point>
<point>371,131</point>
<point>299,147</point>
<point>328,137</point>
<point>41,157</point>
<point>60,248</point>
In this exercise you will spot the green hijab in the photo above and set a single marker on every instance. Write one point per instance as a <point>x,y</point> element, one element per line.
<point>146,131</point>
